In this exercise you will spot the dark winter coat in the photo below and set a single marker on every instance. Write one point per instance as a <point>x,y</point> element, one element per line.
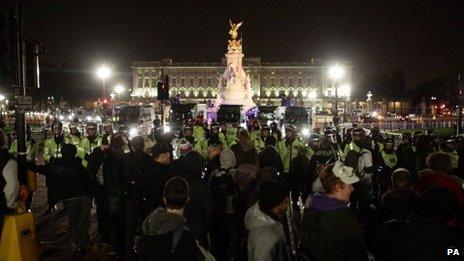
<point>158,233</point>
<point>150,187</point>
<point>113,165</point>
<point>269,157</point>
<point>330,232</point>
<point>135,165</point>
<point>68,178</point>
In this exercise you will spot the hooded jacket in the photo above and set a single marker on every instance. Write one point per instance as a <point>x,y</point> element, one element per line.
<point>222,183</point>
<point>158,233</point>
<point>266,238</point>
<point>199,209</point>
<point>330,232</point>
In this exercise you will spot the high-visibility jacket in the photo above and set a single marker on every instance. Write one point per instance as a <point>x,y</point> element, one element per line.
<point>309,152</point>
<point>223,140</point>
<point>31,150</point>
<point>52,149</point>
<point>72,139</point>
<point>86,147</point>
<point>389,159</point>
<point>351,146</point>
<point>288,152</point>
<point>231,136</point>
<point>257,139</point>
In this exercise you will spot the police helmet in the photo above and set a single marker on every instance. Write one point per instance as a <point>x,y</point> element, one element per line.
<point>72,125</point>
<point>265,127</point>
<point>57,125</point>
<point>91,125</point>
<point>388,140</point>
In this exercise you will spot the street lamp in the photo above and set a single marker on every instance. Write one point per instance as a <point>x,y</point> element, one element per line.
<point>336,72</point>
<point>103,73</point>
<point>118,89</point>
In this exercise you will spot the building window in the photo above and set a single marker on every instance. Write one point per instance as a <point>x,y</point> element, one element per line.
<point>140,83</point>
<point>147,83</point>
<point>299,82</point>
<point>290,82</point>
<point>182,82</point>
<point>153,82</point>
<point>173,82</point>
<point>209,83</point>
<point>191,83</point>
<point>272,82</point>
<point>281,82</point>
<point>200,82</point>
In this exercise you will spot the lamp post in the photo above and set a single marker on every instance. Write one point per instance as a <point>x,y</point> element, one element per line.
<point>335,74</point>
<point>103,73</point>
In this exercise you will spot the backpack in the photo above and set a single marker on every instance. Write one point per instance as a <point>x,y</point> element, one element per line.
<point>352,160</point>
<point>222,187</point>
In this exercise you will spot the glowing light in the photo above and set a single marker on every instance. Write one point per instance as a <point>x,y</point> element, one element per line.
<point>103,72</point>
<point>336,72</point>
<point>119,89</point>
<point>2,97</point>
<point>305,132</point>
<point>345,90</point>
<point>312,94</point>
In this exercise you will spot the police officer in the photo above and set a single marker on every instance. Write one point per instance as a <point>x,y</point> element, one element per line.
<point>108,131</point>
<point>313,145</point>
<point>388,163</point>
<point>52,151</point>
<point>231,135</point>
<point>265,133</point>
<point>89,142</point>
<point>289,147</point>
<point>214,132</point>
<point>52,145</point>
<point>255,135</point>
<point>74,136</point>
<point>31,146</point>
<point>275,131</point>
<point>200,145</point>
<point>223,134</point>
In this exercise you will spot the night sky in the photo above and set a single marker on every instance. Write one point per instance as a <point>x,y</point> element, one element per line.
<point>423,38</point>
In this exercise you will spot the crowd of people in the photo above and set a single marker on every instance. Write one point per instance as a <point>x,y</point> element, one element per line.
<point>223,192</point>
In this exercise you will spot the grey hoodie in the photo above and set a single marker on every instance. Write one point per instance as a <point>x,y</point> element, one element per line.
<point>266,238</point>
<point>227,159</point>
<point>160,222</point>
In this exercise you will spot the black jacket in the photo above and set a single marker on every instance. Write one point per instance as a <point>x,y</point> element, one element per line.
<point>68,178</point>
<point>135,164</point>
<point>150,187</point>
<point>199,209</point>
<point>330,232</point>
<point>158,232</point>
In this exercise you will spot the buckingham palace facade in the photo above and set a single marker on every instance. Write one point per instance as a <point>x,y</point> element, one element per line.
<point>306,82</point>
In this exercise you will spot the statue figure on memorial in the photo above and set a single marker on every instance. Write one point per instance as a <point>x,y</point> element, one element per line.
<point>233,29</point>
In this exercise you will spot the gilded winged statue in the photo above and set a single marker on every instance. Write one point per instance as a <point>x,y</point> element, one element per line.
<point>233,29</point>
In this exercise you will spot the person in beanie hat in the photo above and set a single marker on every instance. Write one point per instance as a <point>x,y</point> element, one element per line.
<point>266,237</point>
